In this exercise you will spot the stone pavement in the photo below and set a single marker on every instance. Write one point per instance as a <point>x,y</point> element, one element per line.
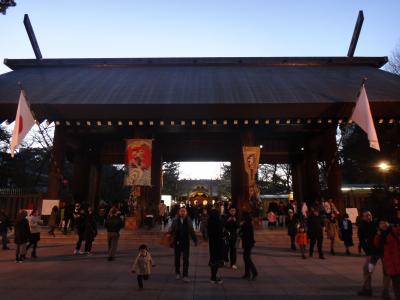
<point>57,274</point>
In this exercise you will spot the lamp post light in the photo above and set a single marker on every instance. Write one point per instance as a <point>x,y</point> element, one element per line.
<point>384,167</point>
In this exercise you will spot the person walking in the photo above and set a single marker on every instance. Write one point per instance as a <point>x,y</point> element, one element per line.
<point>162,213</point>
<point>247,236</point>
<point>281,214</point>
<point>21,235</point>
<point>271,216</point>
<point>76,213</point>
<point>113,225</point>
<point>80,223</point>
<point>203,224</point>
<point>232,226</point>
<point>216,245</point>
<point>68,218</point>
<point>387,240</point>
<point>292,223</point>
<point>315,227</point>
<point>332,231</point>
<point>90,231</point>
<point>53,220</point>
<point>5,226</point>
<point>142,265</point>
<point>34,226</point>
<point>366,233</point>
<point>181,232</point>
<point>197,215</point>
<point>302,240</point>
<point>346,233</point>
<point>330,207</point>
<point>304,212</point>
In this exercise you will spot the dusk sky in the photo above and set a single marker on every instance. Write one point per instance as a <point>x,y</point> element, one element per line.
<point>127,28</point>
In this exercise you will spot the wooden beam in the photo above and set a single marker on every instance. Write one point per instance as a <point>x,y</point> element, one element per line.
<point>32,37</point>
<point>356,34</point>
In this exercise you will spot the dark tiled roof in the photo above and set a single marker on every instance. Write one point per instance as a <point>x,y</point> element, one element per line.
<point>192,81</point>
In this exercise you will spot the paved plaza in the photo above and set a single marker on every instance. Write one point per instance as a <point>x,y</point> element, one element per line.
<point>57,274</point>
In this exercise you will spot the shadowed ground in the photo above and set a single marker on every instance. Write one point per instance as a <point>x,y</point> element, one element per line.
<point>57,274</point>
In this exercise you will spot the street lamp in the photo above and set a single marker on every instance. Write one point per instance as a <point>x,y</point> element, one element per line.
<point>384,167</point>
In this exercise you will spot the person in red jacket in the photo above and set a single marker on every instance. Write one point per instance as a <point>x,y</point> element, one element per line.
<point>387,240</point>
<point>302,240</point>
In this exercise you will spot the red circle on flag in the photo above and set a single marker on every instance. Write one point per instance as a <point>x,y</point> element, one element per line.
<point>20,125</point>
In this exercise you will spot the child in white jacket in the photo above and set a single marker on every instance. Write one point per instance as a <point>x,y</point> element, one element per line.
<point>142,265</point>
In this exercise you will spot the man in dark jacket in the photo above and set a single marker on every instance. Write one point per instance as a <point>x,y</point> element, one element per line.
<point>182,231</point>
<point>315,226</point>
<point>216,245</point>
<point>292,222</point>
<point>247,235</point>
<point>113,225</point>
<point>80,221</point>
<point>367,230</point>
<point>90,231</point>
<point>232,227</point>
<point>5,225</point>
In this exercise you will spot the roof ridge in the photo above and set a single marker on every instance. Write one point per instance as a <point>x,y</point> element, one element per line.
<point>376,62</point>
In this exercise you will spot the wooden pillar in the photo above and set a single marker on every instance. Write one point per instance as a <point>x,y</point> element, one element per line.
<point>94,185</point>
<point>237,174</point>
<point>334,180</point>
<point>56,164</point>
<point>80,177</point>
<point>156,173</point>
<point>297,182</point>
<point>310,174</point>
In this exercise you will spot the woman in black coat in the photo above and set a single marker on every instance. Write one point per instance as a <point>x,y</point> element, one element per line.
<point>90,231</point>
<point>247,235</point>
<point>346,233</point>
<point>216,244</point>
<point>21,235</point>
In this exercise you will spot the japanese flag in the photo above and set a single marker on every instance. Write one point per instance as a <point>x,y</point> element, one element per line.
<point>363,117</point>
<point>23,123</point>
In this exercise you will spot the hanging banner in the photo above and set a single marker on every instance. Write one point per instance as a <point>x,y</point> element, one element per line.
<point>251,156</point>
<point>138,162</point>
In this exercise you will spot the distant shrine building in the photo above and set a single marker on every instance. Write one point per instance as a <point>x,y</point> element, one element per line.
<point>200,109</point>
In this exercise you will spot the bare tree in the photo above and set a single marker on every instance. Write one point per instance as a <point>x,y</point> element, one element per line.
<point>394,62</point>
<point>275,178</point>
<point>27,169</point>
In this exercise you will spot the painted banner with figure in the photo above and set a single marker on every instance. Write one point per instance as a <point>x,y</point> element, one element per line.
<point>138,162</point>
<point>251,156</point>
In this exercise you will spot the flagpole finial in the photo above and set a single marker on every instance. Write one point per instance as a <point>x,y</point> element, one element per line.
<point>364,80</point>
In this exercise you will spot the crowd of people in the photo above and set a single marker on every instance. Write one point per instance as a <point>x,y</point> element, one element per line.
<point>223,232</point>
<point>223,229</point>
<point>82,222</point>
<point>378,239</point>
